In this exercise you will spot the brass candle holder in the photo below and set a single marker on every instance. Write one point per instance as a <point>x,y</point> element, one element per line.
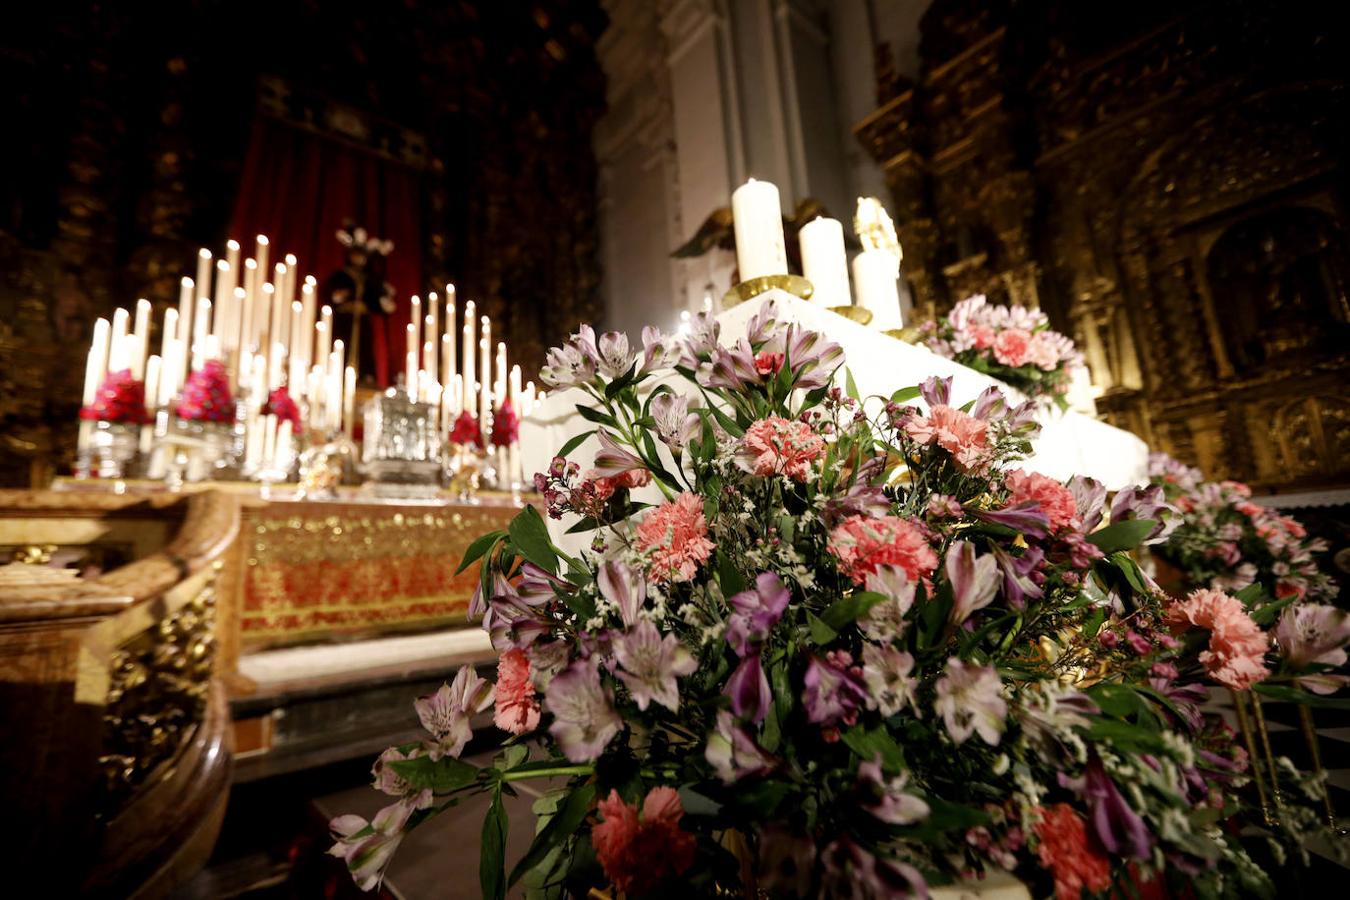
<point>749,290</point>
<point>910,334</point>
<point>860,314</point>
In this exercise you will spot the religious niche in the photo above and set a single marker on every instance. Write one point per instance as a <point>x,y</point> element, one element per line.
<point>1280,285</point>
<point>1167,182</point>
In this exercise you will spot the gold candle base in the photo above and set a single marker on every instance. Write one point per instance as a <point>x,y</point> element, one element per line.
<point>749,290</point>
<point>909,334</point>
<point>858,314</point>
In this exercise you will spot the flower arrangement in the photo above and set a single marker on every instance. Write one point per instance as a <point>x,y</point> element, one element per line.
<point>120,398</point>
<point>1226,541</point>
<point>465,431</point>
<point>206,396</point>
<point>1011,343</point>
<point>505,425</point>
<point>280,404</point>
<point>826,645</point>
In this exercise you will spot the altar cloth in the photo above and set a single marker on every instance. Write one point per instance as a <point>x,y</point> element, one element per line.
<point>1069,444</point>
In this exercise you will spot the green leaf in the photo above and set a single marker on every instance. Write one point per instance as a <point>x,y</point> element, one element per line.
<point>1124,535</point>
<point>511,757</point>
<point>729,577</point>
<point>696,804</point>
<point>764,797</point>
<point>478,548</point>
<point>594,415</point>
<point>1130,570</point>
<point>868,745</point>
<point>1267,614</point>
<point>851,386</point>
<point>559,828</point>
<point>820,632</point>
<point>850,609</point>
<point>904,394</point>
<point>574,443</point>
<point>492,858</point>
<point>1093,623</point>
<point>442,776</point>
<point>728,424</point>
<point>530,535</point>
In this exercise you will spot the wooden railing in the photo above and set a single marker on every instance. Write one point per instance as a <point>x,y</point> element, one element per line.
<point>114,756</point>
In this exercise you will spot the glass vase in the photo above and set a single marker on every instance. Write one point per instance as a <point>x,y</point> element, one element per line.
<point>115,445</point>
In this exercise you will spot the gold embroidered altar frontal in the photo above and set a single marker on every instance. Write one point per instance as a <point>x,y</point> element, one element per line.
<point>316,569</point>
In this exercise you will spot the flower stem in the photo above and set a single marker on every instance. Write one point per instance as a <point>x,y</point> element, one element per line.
<point>548,773</point>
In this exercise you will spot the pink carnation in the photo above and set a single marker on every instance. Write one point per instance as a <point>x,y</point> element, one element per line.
<point>1054,499</point>
<point>778,446</point>
<point>962,435</point>
<point>1066,850</point>
<point>982,336</point>
<point>1010,347</point>
<point>862,544</point>
<point>639,852</point>
<point>517,709</point>
<point>1237,646</point>
<point>676,536</point>
<point>1041,352</point>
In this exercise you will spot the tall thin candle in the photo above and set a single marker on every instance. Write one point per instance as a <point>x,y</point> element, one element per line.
<point>141,348</point>
<point>260,254</point>
<point>186,304</point>
<point>203,281</point>
<point>415,339</point>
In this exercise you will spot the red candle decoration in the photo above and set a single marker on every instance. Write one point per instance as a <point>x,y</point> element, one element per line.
<point>280,404</point>
<point>121,398</point>
<point>505,425</point>
<point>206,396</point>
<point>466,430</point>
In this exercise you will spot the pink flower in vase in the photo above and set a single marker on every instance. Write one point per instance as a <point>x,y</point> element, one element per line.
<point>1237,646</point>
<point>675,534</point>
<point>1054,499</point>
<point>120,398</point>
<point>1010,347</point>
<point>505,426</point>
<point>206,397</point>
<point>982,336</point>
<point>466,430</point>
<point>641,849</point>
<point>517,710</point>
<point>962,435</point>
<point>778,446</point>
<point>280,404</point>
<point>862,544</point>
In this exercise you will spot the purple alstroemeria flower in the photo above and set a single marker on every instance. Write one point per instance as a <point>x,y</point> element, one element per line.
<point>886,671</point>
<point>974,580</point>
<point>573,363</point>
<point>886,798</point>
<point>851,871</point>
<point>538,587</point>
<point>733,753</point>
<point>612,459</point>
<point>813,358</point>
<point>652,664</point>
<point>511,620</point>
<point>1186,700</point>
<point>1019,580</point>
<point>1089,497</point>
<point>732,369</point>
<point>1135,502</point>
<point>676,426</point>
<point>989,404</point>
<point>970,700</point>
<point>861,499</point>
<point>1313,634</point>
<point>936,391</point>
<point>764,325</point>
<point>1025,517</point>
<point>446,713</point>
<point>835,689</point>
<point>702,340</point>
<point>367,854</point>
<point>584,719</point>
<point>1119,828</point>
<point>625,587</point>
<point>756,611</point>
<point>659,350</point>
<point>748,688</point>
<point>613,356</point>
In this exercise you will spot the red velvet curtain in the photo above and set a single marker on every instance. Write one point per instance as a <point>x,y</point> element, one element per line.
<point>298,188</point>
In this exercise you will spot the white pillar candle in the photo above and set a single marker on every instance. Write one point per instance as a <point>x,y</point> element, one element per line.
<point>240,324</point>
<point>280,305</point>
<point>141,348</point>
<point>875,273</point>
<point>260,254</point>
<point>349,402</point>
<point>333,389</point>
<point>96,364</point>
<point>203,272</point>
<point>485,375</point>
<point>170,374</point>
<point>500,376</point>
<point>323,334</point>
<point>469,395</point>
<point>758,219</point>
<point>824,262</point>
<point>276,366</point>
<point>448,361</point>
<point>289,292</point>
<point>410,363</point>
<point>415,324</point>
<point>167,336</point>
<point>269,451</point>
<point>297,340</point>
<point>249,328</point>
<point>232,257</point>
<point>201,329</point>
<point>309,301</point>
<point>429,347</point>
<point>187,293</point>
<point>152,376</point>
<point>121,323</point>
<point>220,301</point>
<point>447,376</point>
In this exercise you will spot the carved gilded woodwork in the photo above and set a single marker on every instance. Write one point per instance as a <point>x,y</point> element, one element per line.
<point>1168,183</point>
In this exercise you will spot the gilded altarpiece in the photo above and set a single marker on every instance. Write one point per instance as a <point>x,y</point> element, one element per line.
<point>1168,181</point>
